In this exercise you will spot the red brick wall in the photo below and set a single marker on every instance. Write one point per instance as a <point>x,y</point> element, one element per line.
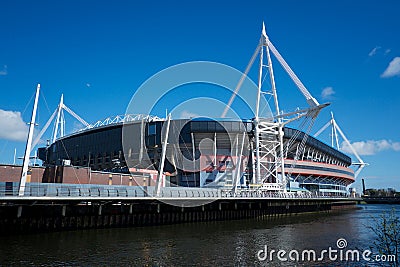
<point>71,175</point>
<point>10,173</point>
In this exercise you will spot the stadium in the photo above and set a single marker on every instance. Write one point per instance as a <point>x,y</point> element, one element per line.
<point>260,153</point>
<point>211,146</point>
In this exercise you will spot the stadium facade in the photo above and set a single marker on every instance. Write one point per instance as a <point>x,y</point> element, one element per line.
<point>201,152</point>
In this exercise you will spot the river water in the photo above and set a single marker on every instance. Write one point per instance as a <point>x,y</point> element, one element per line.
<point>229,243</point>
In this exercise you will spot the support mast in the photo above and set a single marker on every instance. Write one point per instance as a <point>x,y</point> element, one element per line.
<point>335,129</point>
<point>271,75</point>
<point>163,154</point>
<point>268,132</point>
<point>25,165</point>
<point>277,110</point>
<point>59,117</point>
<point>257,119</point>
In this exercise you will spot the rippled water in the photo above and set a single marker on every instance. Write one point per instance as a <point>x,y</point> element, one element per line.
<point>229,243</point>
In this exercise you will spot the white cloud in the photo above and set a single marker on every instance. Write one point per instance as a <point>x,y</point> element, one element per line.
<point>393,69</point>
<point>327,92</point>
<point>4,71</point>
<point>88,85</point>
<point>371,147</point>
<point>373,51</point>
<point>12,126</point>
<point>387,51</point>
<point>187,115</point>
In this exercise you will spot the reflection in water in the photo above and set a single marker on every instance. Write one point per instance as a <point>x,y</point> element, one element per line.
<point>230,243</point>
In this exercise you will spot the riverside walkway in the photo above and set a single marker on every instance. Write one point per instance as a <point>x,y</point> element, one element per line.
<point>87,192</point>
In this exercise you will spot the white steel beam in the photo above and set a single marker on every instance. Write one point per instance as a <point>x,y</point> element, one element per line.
<point>163,153</point>
<point>323,129</point>
<point>59,110</point>
<point>271,75</point>
<point>75,115</point>
<point>25,166</point>
<point>335,128</point>
<point>236,181</point>
<point>45,127</point>
<point>310,99</point>
<point>348,142</point>
<point>239,85</point>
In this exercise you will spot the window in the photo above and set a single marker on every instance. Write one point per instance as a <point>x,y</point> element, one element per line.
<point>152,129</point>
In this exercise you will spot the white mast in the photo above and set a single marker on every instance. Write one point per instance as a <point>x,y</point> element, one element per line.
<point>271,74</point>
<point>335,132</point>
<point>28,146</point>
<point>256,119</point>
<point>161,177</point>
<point>266,156</point>
<point>59,111</point>
<point>60,120</point>
<point>335,128</point>
<point>277,110</point>
<point>268,160</point>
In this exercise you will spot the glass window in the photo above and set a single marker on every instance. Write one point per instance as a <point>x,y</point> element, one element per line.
<point>152,129</point>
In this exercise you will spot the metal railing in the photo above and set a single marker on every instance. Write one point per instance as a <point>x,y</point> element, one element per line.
<point>121,119</point>
<point>54,190</point>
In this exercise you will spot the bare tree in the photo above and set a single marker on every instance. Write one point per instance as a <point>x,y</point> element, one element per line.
<point>387,231</point>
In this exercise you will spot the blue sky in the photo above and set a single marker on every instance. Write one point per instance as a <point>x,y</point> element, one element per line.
<point>99,52</point>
